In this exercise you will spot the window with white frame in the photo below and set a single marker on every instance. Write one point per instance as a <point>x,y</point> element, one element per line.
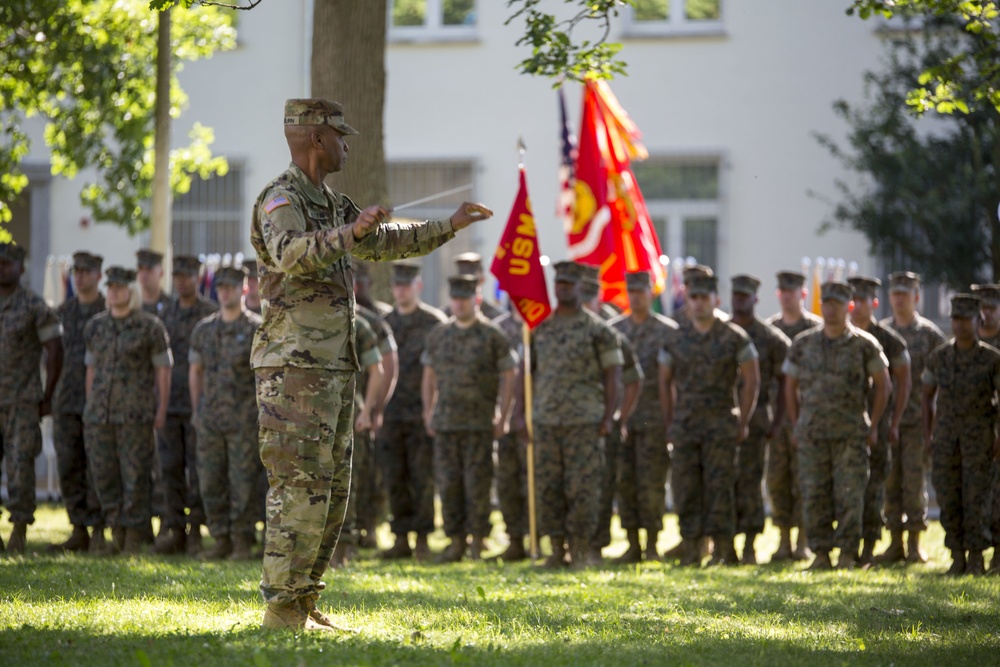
<point>209,217</point>
<point>432,20</point>
<point>683,198</point>
<point>667,17</point>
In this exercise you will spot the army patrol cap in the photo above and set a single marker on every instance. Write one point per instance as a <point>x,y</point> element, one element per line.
<point>187,264</point>
<point>966,306</point>
<point>251,266</point>
<point>904,281</point>
<point>567,272</point>
<point>837,290</point>
<point>865,287</point>
<point>405,273</point>
<point>791,280</point>
<point>990,294</point>
<point>87,262</point>
<point>316,111</point>
<point>745,284</point>
<point>230,275</point>
<point>700,283</point>
<point>12,253</point>
<point>148,258</point>
<point>469,263</point>
<point>462,286</point>
<point>638,281</point>
<point>119,275</point>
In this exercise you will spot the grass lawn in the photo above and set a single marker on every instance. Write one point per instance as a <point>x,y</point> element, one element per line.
<point>79,610</point>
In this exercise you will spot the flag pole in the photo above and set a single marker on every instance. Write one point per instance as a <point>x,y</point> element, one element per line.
<point>529,429</point>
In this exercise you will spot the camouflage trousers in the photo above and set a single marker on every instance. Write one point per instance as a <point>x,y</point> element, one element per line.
<point>512,483</point>
<point>177,451</point>
<point>703,476</point>
<point>569,471</point>
<point>834,477</point>
<point>963,479</point>
<point>229,472</point>
<point>784,484</point>
<point>878,466</point>
<point>642,480</point>
<point>306,418</point>
<point>76,480</point>
<point>463,468</point>
<point>21,440</point>
<point>609,483</point>
<point>906,486</point>
<point>360,501</point>
<point>121,461</point>
<point>749,491</point>
<point>406,456</point>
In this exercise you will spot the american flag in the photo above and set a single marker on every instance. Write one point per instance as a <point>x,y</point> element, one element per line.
<point>567,175</point>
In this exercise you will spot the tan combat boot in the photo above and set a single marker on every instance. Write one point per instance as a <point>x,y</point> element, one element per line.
<point>957,563</point>
<point>242,547</point>
<point>749,554</point>
<point>421,552</point>
<point>867,558</point>
<point>318,617</point>
<point>915,554</point>
<point>15,544</point>
<point>784,552</point>
<point>97,543</point>
<point>634,552</point>
<point>974,564</point>
<point>222,549</point>
<point>894,553</point>
<point>79,540</point>
<point>725,551</point>
<point>169,542</point>
<point>292,616</point>
<point>454,551</point>
<point>192,544</point>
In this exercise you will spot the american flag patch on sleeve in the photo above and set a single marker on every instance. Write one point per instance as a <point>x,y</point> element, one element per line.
<point>277,202</point>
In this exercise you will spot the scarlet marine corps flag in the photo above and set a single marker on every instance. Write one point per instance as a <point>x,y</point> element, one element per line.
<point>517,264</point>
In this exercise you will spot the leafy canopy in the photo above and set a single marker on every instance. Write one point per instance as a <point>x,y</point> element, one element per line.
<point>88,67</point>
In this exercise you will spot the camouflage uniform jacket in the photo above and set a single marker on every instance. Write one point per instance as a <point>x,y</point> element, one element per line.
<point>833,380</point>
<point>772,347</point>
<point>705,369</point>
<point>228,398</point>
<point>124,353</point>
<point>411,336</point>
<point>71,392</point>
<point>922,337</point>
<point>180,322</point>
<point>992,341</point>
<point>369,353</point>
<point>468,363</point>
<point>894,348</point>
<point>646,339</point>
<point>383,334</point>
<point>26,323</point>
<point>158,307</point>
<point>967,382</point>
<point>306,280</point>
<point>806,322</point>
<point>489,310</point>
<point>570,354</point>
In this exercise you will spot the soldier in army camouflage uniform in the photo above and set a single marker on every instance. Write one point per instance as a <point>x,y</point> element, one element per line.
<point>772,346</point>
<point>783,480</point>
<point>224,414</point>
<point>827,373</point>
<point>703,360</point>
<point>304,356</point>
<point>905,488</point>
<point>149,273</point>
<point>127,354</point>
<point>632,377</point>
<point>176,442</point>
<point>894,347</point>
<point>75,479</point>
<point>367,386</point>
<point>989,333</point>
<point>645,458</point>
<point>964,378</point>
<point>471,264</point>
<point>577,372</point>
<point>27,329</point>
<point>468,366</point>
<point>405,449</point>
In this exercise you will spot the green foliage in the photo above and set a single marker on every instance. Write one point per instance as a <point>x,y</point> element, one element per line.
<point>956,81</point>
<point>555,54</point>
<point>928,190</point>
<point>88,67</point>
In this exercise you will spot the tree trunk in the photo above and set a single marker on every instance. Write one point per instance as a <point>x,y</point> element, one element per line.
<point>348,66</point>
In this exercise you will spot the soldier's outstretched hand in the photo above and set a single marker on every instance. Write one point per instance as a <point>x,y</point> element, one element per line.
<point>469,213</point>
<point>368,220</point>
